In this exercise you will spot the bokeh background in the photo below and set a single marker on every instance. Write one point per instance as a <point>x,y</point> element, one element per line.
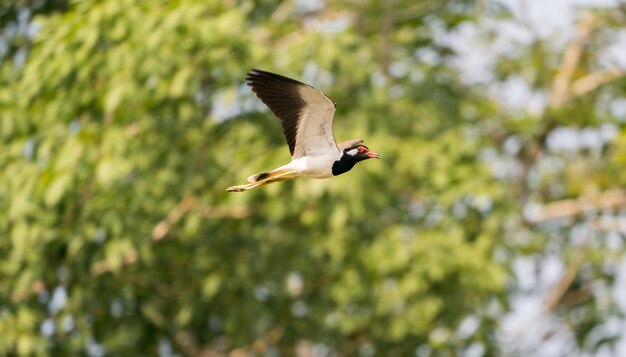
<point>494,225</point>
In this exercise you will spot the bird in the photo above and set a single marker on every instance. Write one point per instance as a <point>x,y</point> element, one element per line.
<point>306,115</point>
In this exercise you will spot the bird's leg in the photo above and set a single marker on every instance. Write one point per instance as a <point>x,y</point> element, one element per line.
<point>273,176</point>
<point>246,187</point>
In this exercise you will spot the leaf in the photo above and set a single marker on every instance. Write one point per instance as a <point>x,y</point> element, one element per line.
<point>181,82</point>
<point>211,285</point>
<point>57,188</point>
<point>114,97</point>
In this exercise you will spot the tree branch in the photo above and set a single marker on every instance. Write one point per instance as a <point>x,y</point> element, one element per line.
<point>559,92</point>
<point>573,207</point>
<point>176,213</point>
<point>101,266</point>
<point>610,224</point>
<point>573,267</point>
<point>188,204</point>
<point>592,81</point>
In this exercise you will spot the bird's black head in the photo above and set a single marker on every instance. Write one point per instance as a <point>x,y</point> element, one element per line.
<point>350,157</point>
<point>361,152</point>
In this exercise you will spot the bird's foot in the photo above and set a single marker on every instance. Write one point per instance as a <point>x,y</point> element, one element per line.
<point>239,188</point>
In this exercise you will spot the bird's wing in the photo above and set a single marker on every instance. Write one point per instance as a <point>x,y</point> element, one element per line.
<point>349,143</point>
<point>306,113</point>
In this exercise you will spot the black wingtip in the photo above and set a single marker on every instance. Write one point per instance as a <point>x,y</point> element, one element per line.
<point>256,74</point>
<point>251,74</point>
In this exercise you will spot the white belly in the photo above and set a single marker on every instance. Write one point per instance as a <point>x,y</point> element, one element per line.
<point>313,166</point>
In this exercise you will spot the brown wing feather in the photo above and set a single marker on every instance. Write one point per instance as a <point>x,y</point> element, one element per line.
<point>349,143</point>
<point>285,99</point>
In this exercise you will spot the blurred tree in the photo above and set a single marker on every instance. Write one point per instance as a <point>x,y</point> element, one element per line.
<point>128,119</point>
<point>16,31</point>
<point>559,158</point>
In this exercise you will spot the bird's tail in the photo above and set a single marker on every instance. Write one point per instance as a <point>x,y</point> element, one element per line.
<point>264,178</point>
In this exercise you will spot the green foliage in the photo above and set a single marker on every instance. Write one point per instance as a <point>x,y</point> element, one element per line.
<point>117,231</point>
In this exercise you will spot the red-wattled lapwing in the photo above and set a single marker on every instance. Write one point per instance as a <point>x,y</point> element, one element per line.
<point>307,118</point>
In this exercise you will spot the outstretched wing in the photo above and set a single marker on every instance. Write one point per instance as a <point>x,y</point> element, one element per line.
<point>349,143</point>
<point>306,113</point>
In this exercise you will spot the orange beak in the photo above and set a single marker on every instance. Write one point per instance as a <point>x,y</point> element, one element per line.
<point>373,155</point>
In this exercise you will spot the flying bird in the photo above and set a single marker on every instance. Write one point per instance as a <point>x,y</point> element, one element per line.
<point>306,115</point>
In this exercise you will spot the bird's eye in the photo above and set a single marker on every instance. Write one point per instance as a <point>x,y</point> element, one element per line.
<point>362,148</point>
